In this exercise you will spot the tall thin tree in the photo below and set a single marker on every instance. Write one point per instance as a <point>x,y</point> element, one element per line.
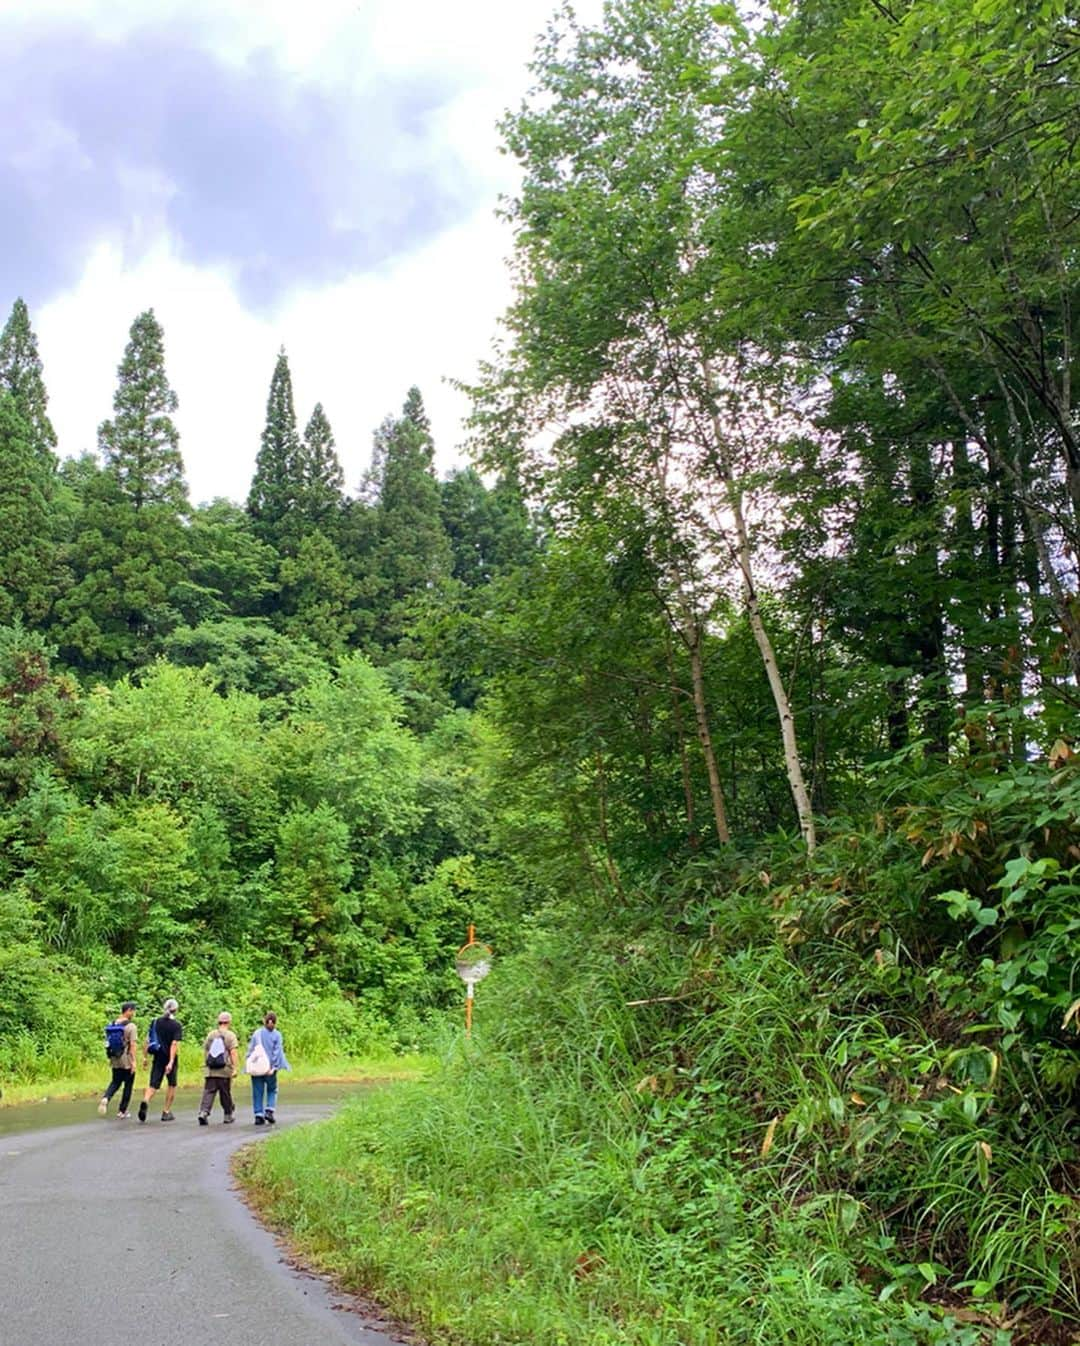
<point>126,556</point>
<point>323,479</point>
<point>21,375</point>
<point>277,486</point>
<point>27,557</point>
<point>140,444</point>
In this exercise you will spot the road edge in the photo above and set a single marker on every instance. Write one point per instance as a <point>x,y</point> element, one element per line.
<point>254,1197</point>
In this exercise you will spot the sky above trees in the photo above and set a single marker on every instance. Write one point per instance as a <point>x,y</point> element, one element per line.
<point>323,177</point>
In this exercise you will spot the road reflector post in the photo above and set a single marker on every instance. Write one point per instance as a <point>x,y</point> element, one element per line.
<point>473,963</point>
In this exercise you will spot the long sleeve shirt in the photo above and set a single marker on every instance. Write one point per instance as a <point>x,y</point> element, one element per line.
<point>273,1046</point>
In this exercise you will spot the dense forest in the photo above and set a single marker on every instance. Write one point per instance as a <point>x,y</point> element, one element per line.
<point>238,758</point>
<point>732,693</point>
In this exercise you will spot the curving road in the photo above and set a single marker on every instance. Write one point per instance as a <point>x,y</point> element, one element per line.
<point>111,1231</point>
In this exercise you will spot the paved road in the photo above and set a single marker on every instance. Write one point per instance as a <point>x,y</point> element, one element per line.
<point>112,1232</point>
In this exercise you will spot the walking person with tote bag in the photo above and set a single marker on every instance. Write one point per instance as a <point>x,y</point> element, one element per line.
<point>265,1057</point>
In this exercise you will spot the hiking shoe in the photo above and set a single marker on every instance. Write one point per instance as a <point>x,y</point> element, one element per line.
<point>103,1107</point>
<point>260,1121</point>
<point>142,1111</point>
<point>167,1117</point>
<point>270,1118</point>
<point>229,1117</point>
<point>203,1119</point>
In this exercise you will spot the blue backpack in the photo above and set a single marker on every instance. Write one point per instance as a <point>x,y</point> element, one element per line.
<point>114,1039</point>
<point>153,1042</point>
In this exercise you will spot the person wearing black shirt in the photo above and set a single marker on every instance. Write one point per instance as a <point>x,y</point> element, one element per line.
<point>169,1031</point>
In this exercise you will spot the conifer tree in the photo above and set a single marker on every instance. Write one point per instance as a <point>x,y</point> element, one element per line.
<point>141,445</point>
<point>277,486</point>
<point>324,480</point>
<point>27,557</point>
<point>414,546</point>
<point>127,553</point>
<point>411,552</point>
<point>489,530</point>
<point>317,595</point>
<point>21,376</point>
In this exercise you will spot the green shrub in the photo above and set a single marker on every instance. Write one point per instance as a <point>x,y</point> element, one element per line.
<point>770,1101</point>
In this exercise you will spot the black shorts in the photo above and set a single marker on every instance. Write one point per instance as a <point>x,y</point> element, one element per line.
<point>157,1072</point>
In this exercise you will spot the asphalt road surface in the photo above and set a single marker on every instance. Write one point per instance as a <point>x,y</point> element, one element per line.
<point>115,1232</point>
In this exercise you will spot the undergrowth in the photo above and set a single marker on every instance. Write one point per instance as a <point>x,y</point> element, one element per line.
<point>801,1104</point>
<point>52,1027</point>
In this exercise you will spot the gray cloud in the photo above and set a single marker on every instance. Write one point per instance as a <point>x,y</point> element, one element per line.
<point>286,183</point>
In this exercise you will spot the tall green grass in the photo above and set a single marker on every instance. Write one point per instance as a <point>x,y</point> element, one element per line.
<point>775,1155</point>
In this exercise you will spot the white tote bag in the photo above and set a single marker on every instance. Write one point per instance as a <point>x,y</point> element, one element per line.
<point>257,1063</point>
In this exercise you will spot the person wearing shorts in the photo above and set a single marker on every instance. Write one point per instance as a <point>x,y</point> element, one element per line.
<point>164,1063</point>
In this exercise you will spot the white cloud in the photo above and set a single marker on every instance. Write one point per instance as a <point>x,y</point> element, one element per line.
<point>342,38</point>
<point>358,345</point>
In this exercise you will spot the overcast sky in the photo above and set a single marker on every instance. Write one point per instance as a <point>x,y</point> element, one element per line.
<point>261,173</point>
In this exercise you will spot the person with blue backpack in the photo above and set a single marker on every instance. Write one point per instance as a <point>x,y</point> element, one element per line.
<point>121,1044</point>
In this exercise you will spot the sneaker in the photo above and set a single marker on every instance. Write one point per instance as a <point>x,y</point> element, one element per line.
<point>230,1117</point>
<point>260,1121</point>
<point>142,1111</point>
<point>103,1107</point>
<point>122,1116</point>
<point>203,1119</point>
<point>167,1117</point>
<point>271,1120</point>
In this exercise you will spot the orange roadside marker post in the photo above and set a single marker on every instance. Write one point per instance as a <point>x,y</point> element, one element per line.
<point>473,963</point>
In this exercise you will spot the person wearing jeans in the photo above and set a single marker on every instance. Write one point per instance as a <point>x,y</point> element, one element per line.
<point>264,1088</point>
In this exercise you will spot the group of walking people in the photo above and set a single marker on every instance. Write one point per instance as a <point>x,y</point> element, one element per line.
<point>221,1064</point>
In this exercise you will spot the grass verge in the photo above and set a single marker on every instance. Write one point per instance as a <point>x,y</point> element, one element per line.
<point>747,1161</point>
<point>435,1249</point>
<point>478,1211</point>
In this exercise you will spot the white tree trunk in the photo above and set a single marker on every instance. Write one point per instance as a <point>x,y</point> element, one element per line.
<point>692,638</point>
<point>742,553</point>
<point>792,761</point>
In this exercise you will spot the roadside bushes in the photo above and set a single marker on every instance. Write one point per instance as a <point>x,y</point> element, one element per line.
<point>47,1017</point>
<point>162,837</point>
<point>52,1010</point>
<point>595,1172</point>
<point>784,1102</point>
